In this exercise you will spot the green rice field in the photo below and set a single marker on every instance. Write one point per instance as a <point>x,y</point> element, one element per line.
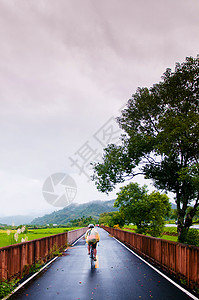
<point>166,235</point>
<point>33,234</point>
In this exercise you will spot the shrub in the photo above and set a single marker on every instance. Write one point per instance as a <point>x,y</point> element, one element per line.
<point>7,287</point>
<point>192,237</point>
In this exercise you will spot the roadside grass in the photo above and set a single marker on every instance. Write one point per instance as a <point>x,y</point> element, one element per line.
<point>169,238</point>
<point>4,238</point>
<point>33,234</point>
<point>169,233</point>
<point>171,230</point>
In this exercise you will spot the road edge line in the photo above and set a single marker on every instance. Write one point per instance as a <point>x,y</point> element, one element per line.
<point>30,278</point>
<point>159,272</point>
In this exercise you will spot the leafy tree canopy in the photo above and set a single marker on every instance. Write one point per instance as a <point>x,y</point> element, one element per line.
<point>146,211</point>
<point>160,141</point>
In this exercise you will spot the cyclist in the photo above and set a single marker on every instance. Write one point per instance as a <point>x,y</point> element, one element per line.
<point>92,237</point>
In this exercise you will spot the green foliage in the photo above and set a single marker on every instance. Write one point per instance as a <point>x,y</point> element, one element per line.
<point>57,253</point>
<point>30,269</point>
<point>173,214</point>
<point>196,217</point>
<point>7,287</point>
<point>170,234</point>
<point>118,218</point>
<point>161,141</point>
<point>112,218</point>
<point>130,226</point>
<point>170,230</point>
<point>105,218</point>
<point>131,200</point>
<point>83,221</point>
<point>192,237</point>
<point>111,171</point>
<point>146,211</point>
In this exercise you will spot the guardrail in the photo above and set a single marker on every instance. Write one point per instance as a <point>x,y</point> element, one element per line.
<point>178,259</point>
<point>73,235</point>
<point>16,260</point>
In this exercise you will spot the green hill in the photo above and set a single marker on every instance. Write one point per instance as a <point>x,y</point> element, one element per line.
<point>74,211</point>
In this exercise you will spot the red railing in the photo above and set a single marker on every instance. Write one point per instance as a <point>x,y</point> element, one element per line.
<point>179,259</point>
<point>16,260</point>
<point>73,235</point>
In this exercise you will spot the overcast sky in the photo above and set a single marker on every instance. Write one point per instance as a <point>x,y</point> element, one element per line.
<point>66,69</point>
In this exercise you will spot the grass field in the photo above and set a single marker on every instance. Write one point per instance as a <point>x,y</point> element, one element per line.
<point>168,237</point>
<point>33,234</point>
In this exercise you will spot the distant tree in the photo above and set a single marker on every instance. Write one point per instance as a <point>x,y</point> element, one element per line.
<point>173,214</point>
<point>112,218</point>
<point>160,141</point>
<point>83,221</point>
<point>105,218</point>
<point>117,218</point>
<point>146,211</point>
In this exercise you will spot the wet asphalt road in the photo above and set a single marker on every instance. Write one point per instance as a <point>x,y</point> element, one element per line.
<point>120,275</point>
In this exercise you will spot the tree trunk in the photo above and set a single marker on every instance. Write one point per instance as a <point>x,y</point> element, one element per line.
<point>181,212</point>
<point>184,223</point>
<point>182,231</point>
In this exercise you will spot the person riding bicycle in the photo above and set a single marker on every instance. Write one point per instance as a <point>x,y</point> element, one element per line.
<point>92,237</point>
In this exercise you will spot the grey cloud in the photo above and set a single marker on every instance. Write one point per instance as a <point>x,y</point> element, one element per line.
<point>68,66</point>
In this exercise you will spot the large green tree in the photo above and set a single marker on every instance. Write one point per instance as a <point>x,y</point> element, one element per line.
<point>146,211</point>
<point>160,141</point>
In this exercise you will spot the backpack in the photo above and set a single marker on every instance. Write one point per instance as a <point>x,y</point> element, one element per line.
<point>91,238</point>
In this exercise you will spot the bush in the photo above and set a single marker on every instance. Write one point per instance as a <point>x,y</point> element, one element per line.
<point>7,287</point>
<point>192,237</point>
<point>142,230</point>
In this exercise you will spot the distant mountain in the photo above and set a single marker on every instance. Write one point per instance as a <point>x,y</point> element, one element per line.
<point>63,216</point>
<point>16,220</point>
<point>74,211</point>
